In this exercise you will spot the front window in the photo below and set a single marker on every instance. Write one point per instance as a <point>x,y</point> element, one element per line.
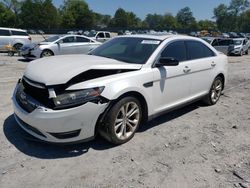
<point>51,39</point>
<point>128,49</point>
<point>238,42</point>
<point>91,34</point>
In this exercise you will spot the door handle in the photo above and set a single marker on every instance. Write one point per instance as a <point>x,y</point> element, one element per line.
<point>186,69</point>
<point>213,64</point>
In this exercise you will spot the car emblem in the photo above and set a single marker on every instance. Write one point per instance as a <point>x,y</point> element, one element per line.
<point>23,96</point>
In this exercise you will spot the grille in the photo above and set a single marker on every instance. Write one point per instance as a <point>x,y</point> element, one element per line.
<point>37,91</point>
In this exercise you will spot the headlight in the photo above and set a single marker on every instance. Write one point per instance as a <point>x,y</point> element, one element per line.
<point>76,98</point>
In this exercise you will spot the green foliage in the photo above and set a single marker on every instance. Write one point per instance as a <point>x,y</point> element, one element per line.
<point>123,19</point>
<point>207,25</point>
<point>76,14</point>
<point>230,18</point>
<point>38,14</point>
<point>186,19</point>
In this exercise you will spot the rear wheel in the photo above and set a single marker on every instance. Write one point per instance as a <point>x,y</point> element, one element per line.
<point>247,52</point>
<point>215,92</point>
<point>122,121</point>
<point>47,53</point>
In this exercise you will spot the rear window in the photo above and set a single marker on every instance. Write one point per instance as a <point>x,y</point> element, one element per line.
<point>222,42</point>
<point>20,33</point>
<point>107,35</point>
<point>197,50</point>
<point>82,39</point>
<point>4,32</point>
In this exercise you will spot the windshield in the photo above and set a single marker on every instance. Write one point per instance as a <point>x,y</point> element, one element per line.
<point>128,49</point>
<point>91,34</point>
<point>238,42</point>
<point>51,39</point>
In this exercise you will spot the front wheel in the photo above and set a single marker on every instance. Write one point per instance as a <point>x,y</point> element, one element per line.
<point>122,121</point>
<point>46,53</point>
<point>215,92</point>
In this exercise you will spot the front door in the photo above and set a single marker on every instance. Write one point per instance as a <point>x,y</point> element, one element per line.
<point>172,83</point>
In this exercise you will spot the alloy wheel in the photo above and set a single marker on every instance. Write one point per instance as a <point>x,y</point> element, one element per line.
<point>216,90</point>
<point>127,120</point>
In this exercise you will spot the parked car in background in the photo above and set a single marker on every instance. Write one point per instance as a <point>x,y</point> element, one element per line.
<point>220,44</point>
<point>100,36</point>
<point>233,35</point>
<point>240,46</point>
<point>225,35</point>
<point>15,37</point>
<point>60,45</point>
<point>117,88</point>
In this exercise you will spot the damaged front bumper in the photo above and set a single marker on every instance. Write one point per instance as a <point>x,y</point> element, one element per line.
<point>59,126</point>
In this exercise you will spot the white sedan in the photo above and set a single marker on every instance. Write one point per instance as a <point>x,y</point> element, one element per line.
<point>60,45</point>
<point>117,87</point>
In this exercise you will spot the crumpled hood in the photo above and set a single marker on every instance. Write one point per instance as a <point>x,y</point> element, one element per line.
<point>60,69</point>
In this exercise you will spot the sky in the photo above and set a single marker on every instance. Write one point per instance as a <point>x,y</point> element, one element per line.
<point>202,9</point>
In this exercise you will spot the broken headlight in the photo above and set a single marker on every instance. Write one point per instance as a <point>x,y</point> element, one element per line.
<point>77,98</point>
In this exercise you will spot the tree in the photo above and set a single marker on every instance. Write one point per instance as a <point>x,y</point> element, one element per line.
<point>244,21</point>
<point>123,19</point>
<point>207,25</point>
<point>155,21</point>
<point>238,6</point>
<point>169,22</point>
<point>38,14</point>
<point>76,14</point>
<point>186,19</point>
<point>222,17</point>
<point>7,17</point>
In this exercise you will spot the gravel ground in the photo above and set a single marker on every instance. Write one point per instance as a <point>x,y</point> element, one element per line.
<point>196,146</point>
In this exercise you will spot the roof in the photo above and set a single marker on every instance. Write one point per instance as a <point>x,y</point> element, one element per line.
<point>14,29</point>
<point>159,37</point>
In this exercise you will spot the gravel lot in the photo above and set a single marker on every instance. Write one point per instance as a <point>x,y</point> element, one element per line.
<point>196,146</point>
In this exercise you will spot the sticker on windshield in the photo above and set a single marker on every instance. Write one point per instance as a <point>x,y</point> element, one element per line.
<point>151,42</point>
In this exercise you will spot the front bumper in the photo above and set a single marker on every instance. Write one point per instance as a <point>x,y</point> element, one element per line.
<point>29,54</point>
<point>235,51</point>
<point>59,126</point>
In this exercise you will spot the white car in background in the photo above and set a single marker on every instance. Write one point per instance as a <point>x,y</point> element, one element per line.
<point>117,87</point>
<point>59,45</point>
<point>240,47</point>
<point>100,36</point>
<point>15,37</point>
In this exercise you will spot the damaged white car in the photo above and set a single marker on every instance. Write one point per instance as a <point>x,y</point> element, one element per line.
<point>116,88</point>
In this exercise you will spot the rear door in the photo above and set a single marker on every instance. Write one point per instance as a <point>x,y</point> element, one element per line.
<point>5,39</point>
<point>100,37</point>
<point>202,63</point>
<point>107,36</point>
<point>82,45</point>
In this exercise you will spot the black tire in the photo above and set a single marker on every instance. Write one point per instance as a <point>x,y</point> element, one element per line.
<point>46,53</point>
<point>247,52</point>
<point>210,98</point>
<point>17,46</point>
<point>241,53</point>
<point>107,129</point>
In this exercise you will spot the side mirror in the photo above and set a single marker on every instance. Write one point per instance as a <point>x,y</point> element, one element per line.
<point>167,61</point>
